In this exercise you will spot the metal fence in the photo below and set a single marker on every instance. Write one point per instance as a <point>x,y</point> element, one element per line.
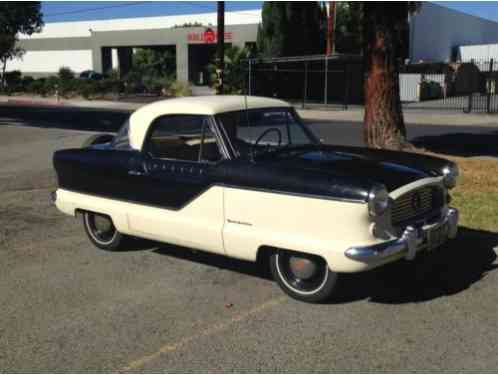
<point>337,80</point>
<point>308,80</point>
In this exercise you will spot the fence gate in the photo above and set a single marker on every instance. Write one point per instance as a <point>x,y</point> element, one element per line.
<point>466,86</point>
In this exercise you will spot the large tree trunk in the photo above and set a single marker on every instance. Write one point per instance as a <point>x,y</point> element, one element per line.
<point>384,126</point>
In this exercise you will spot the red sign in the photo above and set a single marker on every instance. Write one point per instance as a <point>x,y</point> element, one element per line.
<point>208,36</point>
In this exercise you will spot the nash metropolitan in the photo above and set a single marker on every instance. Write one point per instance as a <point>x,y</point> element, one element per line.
<point>246,178</point>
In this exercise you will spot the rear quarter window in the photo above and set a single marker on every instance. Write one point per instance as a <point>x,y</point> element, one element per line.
<point>122,139</point>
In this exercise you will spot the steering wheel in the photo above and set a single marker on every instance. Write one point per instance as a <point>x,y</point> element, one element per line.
<point>265,133</point>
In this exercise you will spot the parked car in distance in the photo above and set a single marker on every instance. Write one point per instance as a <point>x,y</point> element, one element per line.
<point>246,178</point>
<point>92,75</point>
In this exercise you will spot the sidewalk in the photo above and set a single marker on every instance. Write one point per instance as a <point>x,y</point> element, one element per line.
<point>353,114</point>
<point>52,102</point>
<point>411,116</point>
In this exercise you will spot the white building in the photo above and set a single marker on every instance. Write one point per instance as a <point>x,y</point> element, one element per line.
<point>436,32</point>
<point>105,44</point>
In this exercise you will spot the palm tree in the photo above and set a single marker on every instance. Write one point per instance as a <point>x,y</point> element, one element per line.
<point>234,73</point>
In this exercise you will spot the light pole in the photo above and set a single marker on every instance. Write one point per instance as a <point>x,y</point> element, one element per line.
<point>331,11</point>
<point>220,50</point>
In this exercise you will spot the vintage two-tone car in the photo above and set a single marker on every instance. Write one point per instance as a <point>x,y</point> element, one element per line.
<point>244,177</point>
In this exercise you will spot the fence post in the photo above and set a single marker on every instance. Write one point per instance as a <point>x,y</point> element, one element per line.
<point>326,89</point>
<point>471,94</point>
<point>305,91</point>
<point>346,87</point>
<point>488,86</point>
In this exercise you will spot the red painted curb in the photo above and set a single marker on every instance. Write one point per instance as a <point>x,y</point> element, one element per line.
<point>35,102</point>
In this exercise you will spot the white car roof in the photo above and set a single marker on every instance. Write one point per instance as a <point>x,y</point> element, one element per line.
<point>141,119</point>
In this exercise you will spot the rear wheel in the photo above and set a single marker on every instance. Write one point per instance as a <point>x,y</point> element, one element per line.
<point>102,232</point>
<point>304,277</point>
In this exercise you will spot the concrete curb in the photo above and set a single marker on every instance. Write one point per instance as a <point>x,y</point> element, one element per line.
<point>337,116</point>
<point>35,101</point>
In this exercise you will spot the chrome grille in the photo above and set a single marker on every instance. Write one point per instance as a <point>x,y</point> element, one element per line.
<point>415,204</point>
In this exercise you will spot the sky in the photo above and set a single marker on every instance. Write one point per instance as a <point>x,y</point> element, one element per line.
<point>94,10</point>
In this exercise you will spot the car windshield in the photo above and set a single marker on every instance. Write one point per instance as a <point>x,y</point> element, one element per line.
<point>263,130</point>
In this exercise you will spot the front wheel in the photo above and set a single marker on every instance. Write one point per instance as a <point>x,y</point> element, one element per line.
<point>102,232</point>
<point>304,277</point>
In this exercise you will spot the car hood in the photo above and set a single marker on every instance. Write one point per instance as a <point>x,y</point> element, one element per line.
<point>390,168</point>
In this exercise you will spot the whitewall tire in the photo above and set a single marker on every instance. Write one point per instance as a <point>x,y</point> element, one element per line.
<point>102,232</point>
<point>304,277</point>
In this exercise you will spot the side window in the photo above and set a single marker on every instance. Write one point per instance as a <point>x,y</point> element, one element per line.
<point>183,137</point>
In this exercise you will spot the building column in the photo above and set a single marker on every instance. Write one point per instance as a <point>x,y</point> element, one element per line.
<point>182,62</point>
<point>106,60</point>
<point>97,59</point>
<point>114,59</point>
<point>125,55</point>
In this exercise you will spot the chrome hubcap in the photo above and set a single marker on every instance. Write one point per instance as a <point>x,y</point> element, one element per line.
<point>102,224</point>
<point>101,228</point>
<point>302,268</point>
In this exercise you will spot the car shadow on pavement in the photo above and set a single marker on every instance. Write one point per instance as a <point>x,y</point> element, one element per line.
<point>460,144</point>
<point>449,270</point>
<point>259,269</point>
<point>60,117</point>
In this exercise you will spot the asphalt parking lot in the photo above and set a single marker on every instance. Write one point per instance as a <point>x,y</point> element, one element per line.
<point>66,306</point>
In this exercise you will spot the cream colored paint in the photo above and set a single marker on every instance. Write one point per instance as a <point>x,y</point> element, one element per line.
<point>318,226</point>
<point>141,119</point>
<point>278,220</point>
<point>198,225</point>
<point>238,222</point>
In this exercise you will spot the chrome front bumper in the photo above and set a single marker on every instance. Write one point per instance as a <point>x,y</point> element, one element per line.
<point>412,240</point>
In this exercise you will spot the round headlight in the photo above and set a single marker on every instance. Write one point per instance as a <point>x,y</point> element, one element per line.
<point>378,200</point>
<point>450,174</point>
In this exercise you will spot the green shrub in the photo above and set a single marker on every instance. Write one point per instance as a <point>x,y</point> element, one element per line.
<point>110,86</point>
<point>66,84</point>
<point>37,87</point>
<point>26,81</point>
<point>179,88</point>
<point>157,85</point>
<point>88,89</point>
<point>133,82</point>
<point>51,85</point>
<point>65,74</point>
<point>113,75</point>
<point>13,81</point>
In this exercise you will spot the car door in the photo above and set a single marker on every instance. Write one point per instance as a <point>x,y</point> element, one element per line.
<point>174,179</point>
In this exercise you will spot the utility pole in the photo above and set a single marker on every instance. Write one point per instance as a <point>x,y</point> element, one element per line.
<point>220,50</point>
<point>331,10</point>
